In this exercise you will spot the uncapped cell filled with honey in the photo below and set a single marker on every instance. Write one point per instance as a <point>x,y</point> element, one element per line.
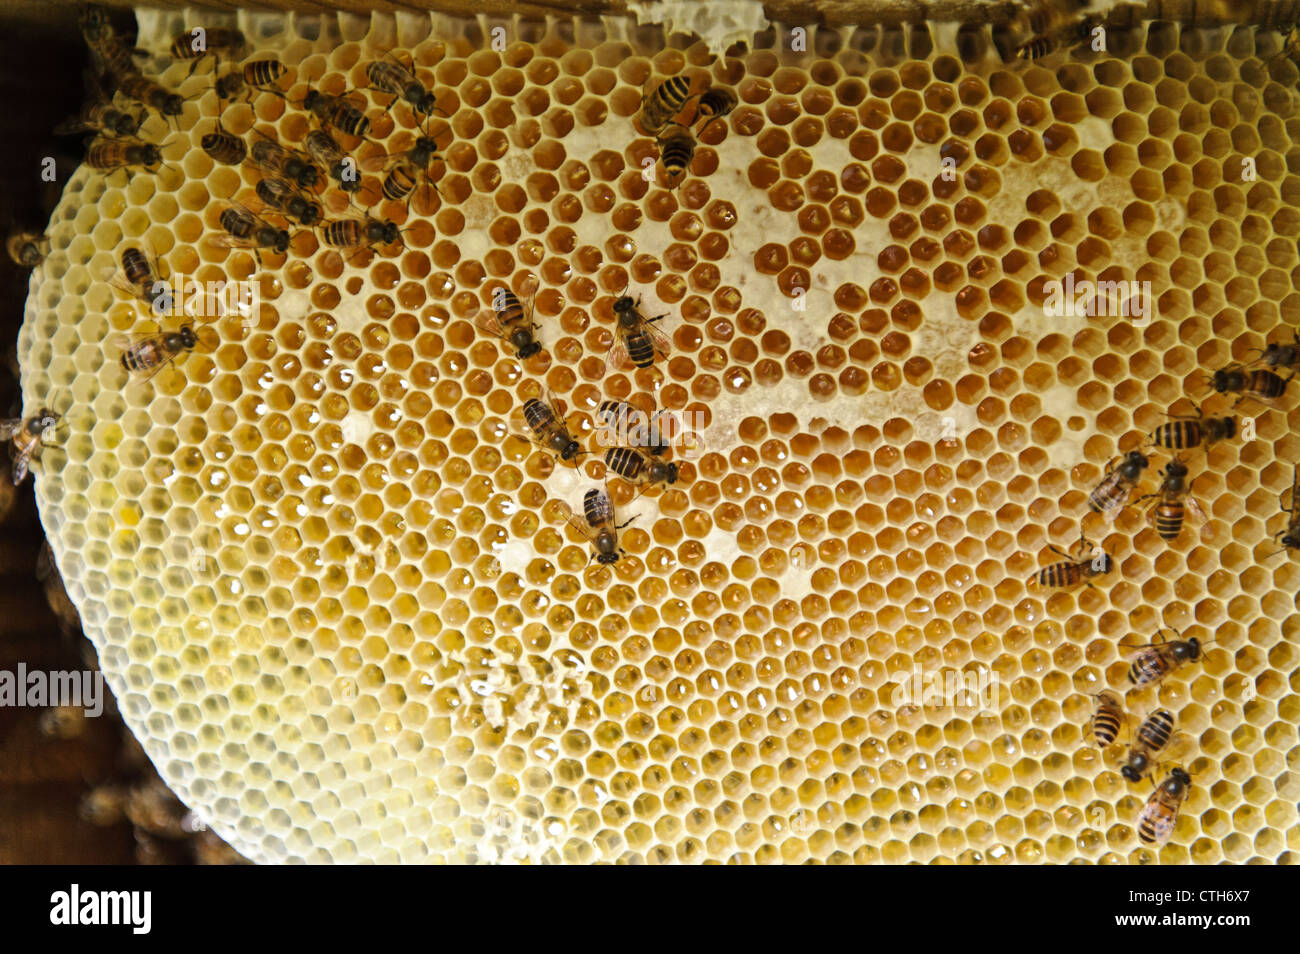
<point>334,586</point>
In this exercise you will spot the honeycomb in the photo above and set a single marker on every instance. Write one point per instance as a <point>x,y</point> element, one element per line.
<point>334,589</point>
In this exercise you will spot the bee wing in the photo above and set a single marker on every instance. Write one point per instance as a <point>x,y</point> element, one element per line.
<point>9,427</point>
<point>21,464</point>
<point>381,161</point>
<point>70,127</point>
<point>617,354</point>
<point>554,404</point>
<point>354,98</point>
<point>1138,652</point>
<point>579,522</point>
<point>230,241</point>
<point>1196,516</point>
<point>122,285</point>
<point>661,342</point>
<point>408,68</point>
<point>1179,746</point>
<point>488,321</point>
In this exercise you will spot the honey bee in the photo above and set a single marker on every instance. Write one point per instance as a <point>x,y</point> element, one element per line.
<point>410,169</point>
<point>325,150</point>
<point>260,75</point>
<point>246,229</point>
<point>1260,385</point>
<point>676,150</point>
<point>1186,431</point>
<point>224,147</point>
<point>343,113</point>
<point>99,116</point>
<point>359,232</point>
<point>661,104</point>
<point>1152,737</point>
<point>1042,25</point>
<point>201,42</point>
<point>391,76</point>
<point>109,155</point>
<point>110,56</point>
<point>1279,355</point>
<point>1073,570</point>
<point>507,321</point>
<point>1117,485</point>
<point>27,249</point>
<point>713,106</point>
<point>1153,662</point>
<point>161,100</point>
<point>284,162</point>
<point>148,354</point>
<point>140,278</point>
<point>598,524</point>
<point>1174,502</point>
<point>640,468</point>
<point>549,430</point>
<point>626,426</point>
<point>1155,823</point>
<point>634,336</point>
<point>281,196</point>
<point>1290,534</point>
<point>27,437</point>
<point>1107,720</point>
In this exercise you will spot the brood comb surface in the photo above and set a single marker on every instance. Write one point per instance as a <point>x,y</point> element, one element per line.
<point>338,601</point>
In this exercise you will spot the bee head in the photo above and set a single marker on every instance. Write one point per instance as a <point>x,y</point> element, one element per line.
<point>624,306</point>
<point>528,348</point>
<point>45,419</point>
<point>1194,649</point>
<point>1230,427</point>
<point>172,104</point>
<point>152,155</point>
<point>1219,381</point>
<point>188,338</point>
<point>1137,460</point>
<point>607,559</point>
<point>311,99</point>
<point>1176,469</point>
<point>281,240</point>
<point>1133,771</point>
<point>1107,563</point>
<point>310,215</point>
<point>125,124</point>
<point>1181,777</point>
<point>671,476</point>
<point>1290,541</point>
<point>572,451</point>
